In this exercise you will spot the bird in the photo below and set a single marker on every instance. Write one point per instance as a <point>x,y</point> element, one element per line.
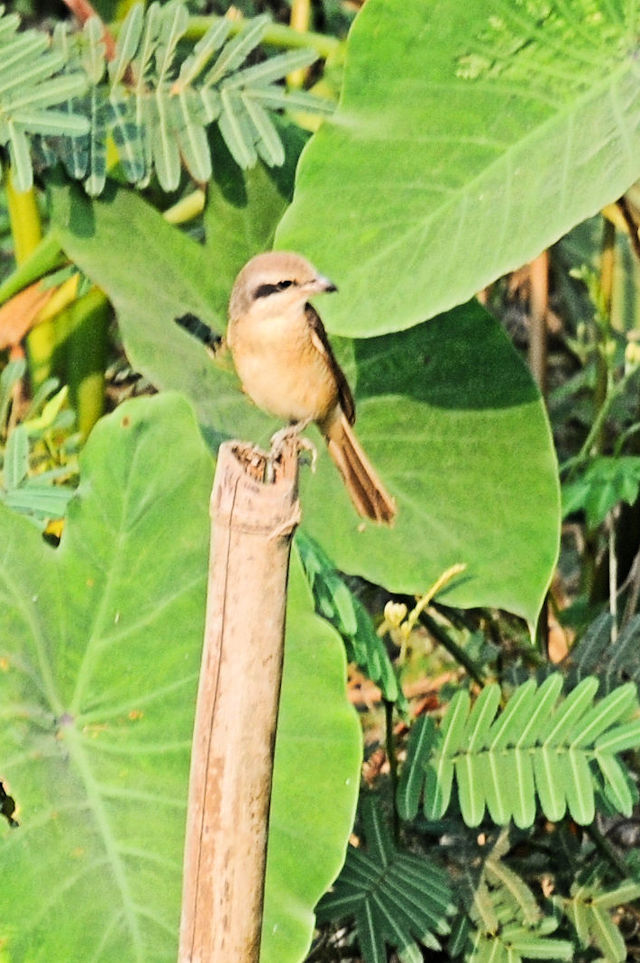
<point>285,362</point>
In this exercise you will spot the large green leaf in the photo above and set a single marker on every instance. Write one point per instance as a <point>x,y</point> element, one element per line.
<point>447,411</point>
<point>167,274</point>
<point>469,137</point>
<point>450,416</point>
<point>99,654</point>
<point>100,646</point>
<point>243,209</point>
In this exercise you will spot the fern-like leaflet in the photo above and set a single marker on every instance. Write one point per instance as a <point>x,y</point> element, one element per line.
<point>588,910</point>
<point>395,897</point>
<point>33,86</point>
<point>335,602</point>
<point>152,105</point>
<point>612,661</point>
<point>558,750</point>
<point>501,920</point>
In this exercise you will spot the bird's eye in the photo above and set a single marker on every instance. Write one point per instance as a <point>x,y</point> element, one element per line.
<point>284,284</point>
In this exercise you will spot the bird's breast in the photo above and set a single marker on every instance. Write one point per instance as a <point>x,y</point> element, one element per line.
<point>281,369</point>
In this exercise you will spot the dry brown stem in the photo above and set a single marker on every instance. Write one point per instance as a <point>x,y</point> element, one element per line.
<point>83,11</point>
<point>236,714</point>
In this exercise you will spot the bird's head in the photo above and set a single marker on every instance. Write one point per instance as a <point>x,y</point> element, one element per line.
<point>275,282</point>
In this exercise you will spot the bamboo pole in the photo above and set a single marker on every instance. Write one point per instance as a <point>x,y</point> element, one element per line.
<point>236,714</point>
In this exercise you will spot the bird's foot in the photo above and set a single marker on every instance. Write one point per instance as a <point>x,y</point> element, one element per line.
<point>290,434</point>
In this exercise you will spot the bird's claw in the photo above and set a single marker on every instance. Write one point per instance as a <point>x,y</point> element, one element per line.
<point>308,448</point>
<point>292,433</point>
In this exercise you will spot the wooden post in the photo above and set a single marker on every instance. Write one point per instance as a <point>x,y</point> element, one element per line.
<point>236,714</point>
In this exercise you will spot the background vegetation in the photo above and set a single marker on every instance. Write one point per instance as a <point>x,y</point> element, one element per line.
<point>496,678</point>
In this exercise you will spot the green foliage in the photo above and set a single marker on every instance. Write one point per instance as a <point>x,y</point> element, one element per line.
<point>395,896</point>
<point>465,141</point>
<point>587,908</point>
<point>335,602</point>
<point>445,115</point>
<point>606,481</point>
<point>421,431</point>
<point>501,919</point>
<point>537,746</point>
<point>33,87</point>
<point>100,644</point>
<point>612,660</point>
<point>153,103</point>
<point>26,478</point>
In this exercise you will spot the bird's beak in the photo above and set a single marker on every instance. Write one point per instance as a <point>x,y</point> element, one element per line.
<point>321,283</point>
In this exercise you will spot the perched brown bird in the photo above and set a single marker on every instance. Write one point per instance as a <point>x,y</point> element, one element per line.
<point>286,365</point>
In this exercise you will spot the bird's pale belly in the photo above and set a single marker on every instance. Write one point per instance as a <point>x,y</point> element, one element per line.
<point>293,384</point>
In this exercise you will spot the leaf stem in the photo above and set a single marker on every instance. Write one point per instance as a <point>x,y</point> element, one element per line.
<point>590,443</point>
<point>275,35</point>
<point>26,231</point>
<point>186,208</point>
<point>452,647</point>
<point>393,764</point>
<point>46,256</point>
<point>603,319</point>
<point>299,20</point>
<point>24,217</point>
<point>606,390</point>
<point>606,850</point>
<point>83,11</point>
<point>85,348</point>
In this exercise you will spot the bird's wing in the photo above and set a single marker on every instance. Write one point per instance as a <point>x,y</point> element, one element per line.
<point>321,344</point>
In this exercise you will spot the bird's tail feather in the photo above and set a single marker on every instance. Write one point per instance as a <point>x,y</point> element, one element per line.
<point>367,492</point>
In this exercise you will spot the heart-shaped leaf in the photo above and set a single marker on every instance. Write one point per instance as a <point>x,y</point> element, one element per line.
<point>469,137</point>
<point>447,411</point>
<point>100,645</point>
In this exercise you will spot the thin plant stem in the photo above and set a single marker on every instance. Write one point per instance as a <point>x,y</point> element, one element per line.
<point>26,231</point>
<point>538,309</point>
<point>589,446</point>
<point>632,227</point>
<point>83,11</point>
<point>603,315</point>
<point>24,217</point>
<point>275,35</point>
<point>452,647</point>
<point>633,584</point>
<point>624,438</point>
<point>613,573</point>
<point>186,208</point>
<point>606,850</point>
<point>393,763</point>
<point>607,265</point>
<point>299,20</point>
<point>86,323</point>
<point>606,390</point>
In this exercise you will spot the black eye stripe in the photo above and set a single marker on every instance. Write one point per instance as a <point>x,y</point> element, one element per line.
<point>264,290</point>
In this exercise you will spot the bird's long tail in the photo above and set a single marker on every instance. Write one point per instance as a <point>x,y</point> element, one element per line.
<point>368,494</point>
